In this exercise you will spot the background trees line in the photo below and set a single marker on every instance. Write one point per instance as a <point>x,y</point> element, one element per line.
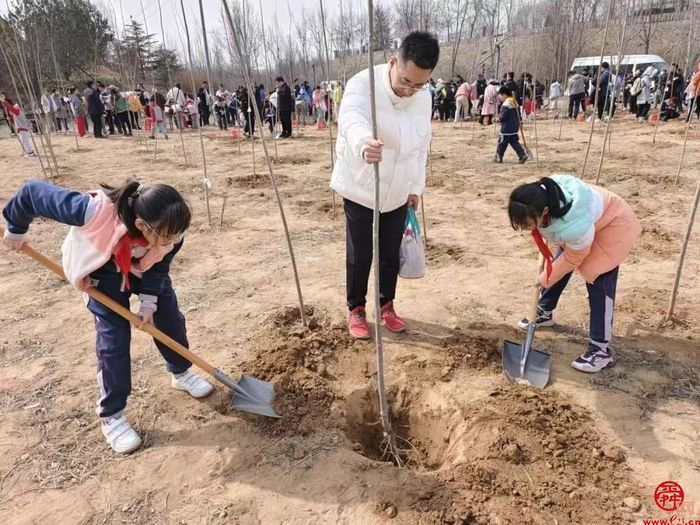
<point>99,42</point>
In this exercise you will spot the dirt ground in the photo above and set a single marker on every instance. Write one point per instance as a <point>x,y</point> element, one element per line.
<point>587,450</point>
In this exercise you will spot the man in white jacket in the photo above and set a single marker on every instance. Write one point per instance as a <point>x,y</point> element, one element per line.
<point>177,97</point>
<point>403,120</point>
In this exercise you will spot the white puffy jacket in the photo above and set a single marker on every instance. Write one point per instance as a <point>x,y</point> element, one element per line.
<point>404,127</point>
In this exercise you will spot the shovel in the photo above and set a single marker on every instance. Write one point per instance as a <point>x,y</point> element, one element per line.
<point>249,394</point>
<point>529,154</point>
<point>522,363</point>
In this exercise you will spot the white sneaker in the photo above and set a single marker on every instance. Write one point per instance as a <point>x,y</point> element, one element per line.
<point>193,383</point>
<point>120,436</point>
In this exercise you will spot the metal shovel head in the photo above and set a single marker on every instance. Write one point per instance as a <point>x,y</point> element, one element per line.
<point>529,154</point>
<point>254,396</point>
<point>536,369</point>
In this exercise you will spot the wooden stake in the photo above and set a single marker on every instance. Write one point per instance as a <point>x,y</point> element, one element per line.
<point>245,66</point>
<point>206,182</point>
<point>606,137</point>
<point>681,258</point>
<point>685,138</point>
<point>597,90</point>
<point>389,435</point>
<point>330,99</point>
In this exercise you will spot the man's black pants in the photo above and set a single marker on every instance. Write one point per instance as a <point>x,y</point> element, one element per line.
<point>286,121</point>
<point>358,247</point>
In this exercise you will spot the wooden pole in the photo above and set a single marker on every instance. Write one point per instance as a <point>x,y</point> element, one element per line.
<point>684,249</point>
<point>597,86</point>
<point>269,73</point>
<point>606,137</point>
<point>389,435</point>
<point>206,182</point>
<point>330,98</point>
<point>685,138</point>
<point>245,66</point>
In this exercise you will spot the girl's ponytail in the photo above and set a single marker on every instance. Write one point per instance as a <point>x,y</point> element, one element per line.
<point>123,198</point>
<point>555,198</point>
<point>159,205</point>
<point>528,202</point>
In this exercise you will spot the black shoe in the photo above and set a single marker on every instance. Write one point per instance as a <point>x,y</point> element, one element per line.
<point>522,160</point>
<point>544,319</point>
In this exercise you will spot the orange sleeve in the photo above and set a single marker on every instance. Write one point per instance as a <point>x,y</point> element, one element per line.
<point>568,261</point>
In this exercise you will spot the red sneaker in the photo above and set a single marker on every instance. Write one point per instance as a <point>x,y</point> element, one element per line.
<point>357,323</point>
<point>392,321</point>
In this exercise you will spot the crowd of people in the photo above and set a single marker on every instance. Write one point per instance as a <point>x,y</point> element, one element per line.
<point>107,110</point>
<point>636,91</point>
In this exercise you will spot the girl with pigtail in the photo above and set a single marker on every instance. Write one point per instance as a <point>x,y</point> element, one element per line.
<point>594,230</point>
<point>121,241</point>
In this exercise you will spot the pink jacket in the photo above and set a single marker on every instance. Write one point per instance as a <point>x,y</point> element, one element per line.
<point>465,90</point>
<point>616,232</point>
<point>490,106</point>
<point>87,248</point>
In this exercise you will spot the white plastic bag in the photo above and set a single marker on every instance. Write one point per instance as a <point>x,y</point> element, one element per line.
<point>412,255</point>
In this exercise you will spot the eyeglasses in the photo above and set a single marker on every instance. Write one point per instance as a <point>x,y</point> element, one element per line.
<point>405,83</point>
<point>165,242</point>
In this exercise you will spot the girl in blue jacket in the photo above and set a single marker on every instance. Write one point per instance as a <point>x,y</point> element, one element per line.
<point>121,241</point>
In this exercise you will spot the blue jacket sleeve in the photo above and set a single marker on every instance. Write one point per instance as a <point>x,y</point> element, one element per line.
<point>153,280</point>
<point>41,199</point>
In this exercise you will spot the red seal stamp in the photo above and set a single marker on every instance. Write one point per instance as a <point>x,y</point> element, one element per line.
<point>669,496</point>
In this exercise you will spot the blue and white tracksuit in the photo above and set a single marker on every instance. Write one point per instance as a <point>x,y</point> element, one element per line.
<point>40,199</point>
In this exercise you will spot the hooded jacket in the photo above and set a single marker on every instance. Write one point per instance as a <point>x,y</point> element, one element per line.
<point>404,127</point>
<point>645,96</point>
<point>596,234</point>
<point>510,123</point>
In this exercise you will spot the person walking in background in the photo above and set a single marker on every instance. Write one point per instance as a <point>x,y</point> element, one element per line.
<point>177,103</point>
<point>510,126</point>
<point>285,106</point>
<point>135,108</point>
<point>693,91</point>
<point>248,112</point>
<point>108,103</point>
<point>463,102</point>
<point>77,110</point>
<point>221,110</point>
<point>156,114</point>
<point>121,110</point>
<point>21,123</point>
<point>603,88</point>
<point>645,96</point>
<point>48,105</point>
<point>96,108</point>
<point>576,87</point>
<point>490,107</point>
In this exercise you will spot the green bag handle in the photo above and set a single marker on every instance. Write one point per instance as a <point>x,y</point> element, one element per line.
<point>412,221</point>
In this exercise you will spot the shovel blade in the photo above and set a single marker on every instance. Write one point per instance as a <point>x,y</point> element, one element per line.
<point>254,396</point>
<point>536,368</point>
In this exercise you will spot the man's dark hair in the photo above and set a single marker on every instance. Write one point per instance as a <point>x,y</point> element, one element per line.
<point>511,75</point>
<point>503,90</point>
<point>421,48</point>
<point>178,86</point>
<point>90,83</point>
<point>605,65</point>
<point>100,84</point>
<point>279,79</point>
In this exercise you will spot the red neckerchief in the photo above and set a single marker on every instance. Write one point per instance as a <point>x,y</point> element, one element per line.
<point>122,255</point>
<point>544,250</point>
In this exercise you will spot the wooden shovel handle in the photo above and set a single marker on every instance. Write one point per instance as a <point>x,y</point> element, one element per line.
<point>119,309</point>
<point>536,293</point>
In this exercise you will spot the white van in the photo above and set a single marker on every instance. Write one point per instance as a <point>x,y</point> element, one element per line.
<point>628,64</point>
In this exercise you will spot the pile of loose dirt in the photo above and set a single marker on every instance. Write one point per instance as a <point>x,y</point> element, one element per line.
<point>467,351</point>
<point>295,359</point>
